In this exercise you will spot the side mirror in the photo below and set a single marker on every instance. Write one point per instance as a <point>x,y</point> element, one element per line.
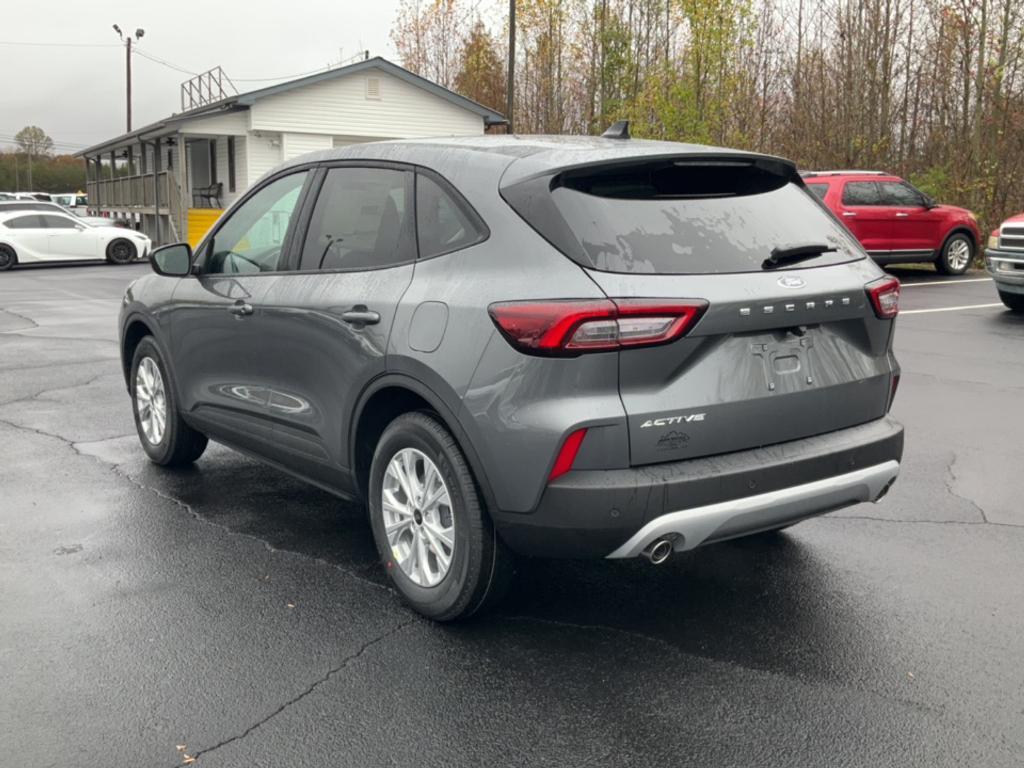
<point>928,202</point>
<point>172,260</point>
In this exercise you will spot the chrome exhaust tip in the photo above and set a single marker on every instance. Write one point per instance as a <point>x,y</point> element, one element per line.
<point>659,551</point>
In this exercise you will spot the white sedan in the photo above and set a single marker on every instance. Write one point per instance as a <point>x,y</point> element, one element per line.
<point>28,237</point>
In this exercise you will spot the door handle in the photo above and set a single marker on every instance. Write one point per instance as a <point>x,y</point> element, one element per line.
<point>849,213</point>
<point>240,308</point>
<point>360,315</point>
<point>901,215</point>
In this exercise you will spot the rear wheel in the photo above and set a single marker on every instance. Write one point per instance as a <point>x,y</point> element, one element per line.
<point>164,435</point>
<point>1015,301</point>
<point>121,251</point>
<point>8,258</point>
<point>956,255</point>
<point>433,534</point>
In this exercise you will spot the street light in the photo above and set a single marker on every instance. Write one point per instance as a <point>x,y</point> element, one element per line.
<point>139,32</point>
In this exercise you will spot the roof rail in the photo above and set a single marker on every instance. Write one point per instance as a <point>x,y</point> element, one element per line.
<point>844,173</point>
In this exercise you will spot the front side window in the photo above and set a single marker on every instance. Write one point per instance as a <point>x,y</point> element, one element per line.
<point>861,193</point>
<point>253,238</point>
<point>818,190</point>
<point>56,222</point>
<point>443,224</point>
<point>362,220</point>
<point>899,193</point>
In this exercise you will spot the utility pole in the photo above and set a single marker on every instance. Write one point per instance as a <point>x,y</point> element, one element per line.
<point>128,68</point>
<point>510,88</point>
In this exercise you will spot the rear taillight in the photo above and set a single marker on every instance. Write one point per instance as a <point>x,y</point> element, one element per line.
<point>885,297</point>
<point>571,327</point>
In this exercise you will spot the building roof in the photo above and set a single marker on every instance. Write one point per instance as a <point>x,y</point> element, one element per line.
<point>243,101</point>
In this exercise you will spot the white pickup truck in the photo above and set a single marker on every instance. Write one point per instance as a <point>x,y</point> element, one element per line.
<point>1004,260</point>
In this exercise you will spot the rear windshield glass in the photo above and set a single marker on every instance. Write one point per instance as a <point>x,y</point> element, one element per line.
<point>674,225</point>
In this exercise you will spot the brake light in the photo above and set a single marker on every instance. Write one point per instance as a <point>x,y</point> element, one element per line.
<point>564,328</point>
<point>885,297</point>
<point>567,455</point>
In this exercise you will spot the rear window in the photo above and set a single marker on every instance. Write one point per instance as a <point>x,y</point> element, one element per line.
<point>693,218</point>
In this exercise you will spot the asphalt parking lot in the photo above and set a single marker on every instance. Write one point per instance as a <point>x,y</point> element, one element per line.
<point>231,614</point>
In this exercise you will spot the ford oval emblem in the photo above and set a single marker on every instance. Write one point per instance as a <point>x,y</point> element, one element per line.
<point>789,281</point>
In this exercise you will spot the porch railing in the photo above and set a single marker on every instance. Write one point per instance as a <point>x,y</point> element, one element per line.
<point>137,191</point>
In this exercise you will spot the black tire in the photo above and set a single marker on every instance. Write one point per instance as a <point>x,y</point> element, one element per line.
<point>1013,301</point>
<point>179,444</point>
<point>8,258</point>
<point>121,251</point>
<point>945,263</point>
<point>481,565</point>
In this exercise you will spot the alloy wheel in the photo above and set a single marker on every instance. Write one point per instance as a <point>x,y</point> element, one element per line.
<point>418,517</point>
<point>958,255</point>
<point>151,400</point>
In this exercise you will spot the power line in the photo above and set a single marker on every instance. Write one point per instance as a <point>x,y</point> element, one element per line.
<point>166,63</point>
<point>59,45</point>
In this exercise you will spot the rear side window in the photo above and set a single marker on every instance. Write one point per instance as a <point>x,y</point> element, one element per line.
<point>24,222</point>
<point>444,223</point>
<point>691,217</point>
<point>818,190</point>
<point>362,220</point>
<point>861,193</point>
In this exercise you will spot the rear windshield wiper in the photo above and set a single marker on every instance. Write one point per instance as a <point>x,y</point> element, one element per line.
<point>781,256</point>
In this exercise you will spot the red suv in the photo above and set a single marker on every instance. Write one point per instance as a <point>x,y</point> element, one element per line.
<point>897,223</point>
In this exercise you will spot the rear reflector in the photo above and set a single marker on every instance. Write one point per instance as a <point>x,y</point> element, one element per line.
<point>885,297</point>
<point>574,326</point>
<point>567,455</point>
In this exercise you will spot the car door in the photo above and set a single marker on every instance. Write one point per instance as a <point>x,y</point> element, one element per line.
<point>69,239</point>
<point>327,322</point>
<point>863,213</point>
<point>217,328</point>
<point>30,237</point>
<point>916,227</point>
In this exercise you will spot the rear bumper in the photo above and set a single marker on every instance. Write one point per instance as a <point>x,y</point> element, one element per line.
<point>617,513</point>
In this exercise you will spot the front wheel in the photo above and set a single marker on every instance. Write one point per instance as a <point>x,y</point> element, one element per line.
<point>164,435</point>
<point>1013,301</point>
<point>956,255</point>
<point>433,534</point>
<point>121,251</point>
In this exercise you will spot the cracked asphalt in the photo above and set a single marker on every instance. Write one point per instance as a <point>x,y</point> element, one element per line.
<point>230,614</point>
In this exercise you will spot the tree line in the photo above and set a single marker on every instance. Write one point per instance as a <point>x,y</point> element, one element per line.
<point>932,90</point>
<point>32,166</point>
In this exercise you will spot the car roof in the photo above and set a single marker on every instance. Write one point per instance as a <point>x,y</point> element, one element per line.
<point>523,155</point>
<point>10,214</point>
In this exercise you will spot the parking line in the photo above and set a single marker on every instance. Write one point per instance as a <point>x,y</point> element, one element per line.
<point>948,282</point>
<point>950,309</point>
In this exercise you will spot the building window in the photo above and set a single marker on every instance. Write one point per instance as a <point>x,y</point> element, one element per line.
<point>231,163</point>
<point>170,159</point>
<point>213,160</point>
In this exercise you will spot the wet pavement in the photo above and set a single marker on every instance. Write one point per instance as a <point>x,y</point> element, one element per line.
<point>232,614</point>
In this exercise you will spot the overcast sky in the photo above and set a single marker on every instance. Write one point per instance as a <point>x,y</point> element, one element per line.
<point>77,94</point>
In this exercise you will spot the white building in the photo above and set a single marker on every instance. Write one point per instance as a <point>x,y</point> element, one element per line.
<point>178,174</point>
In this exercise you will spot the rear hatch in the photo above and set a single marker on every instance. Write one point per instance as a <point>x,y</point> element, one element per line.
<point>783,351</point>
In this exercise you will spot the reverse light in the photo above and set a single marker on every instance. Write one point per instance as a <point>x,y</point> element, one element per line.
<point>885,297</point>
<point>566,328</point>
<point>566,456</point>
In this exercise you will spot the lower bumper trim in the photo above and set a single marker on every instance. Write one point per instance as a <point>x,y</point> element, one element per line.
<point>713,522</point>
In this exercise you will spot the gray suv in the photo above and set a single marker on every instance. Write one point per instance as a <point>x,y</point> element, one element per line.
<point>552,346</point>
